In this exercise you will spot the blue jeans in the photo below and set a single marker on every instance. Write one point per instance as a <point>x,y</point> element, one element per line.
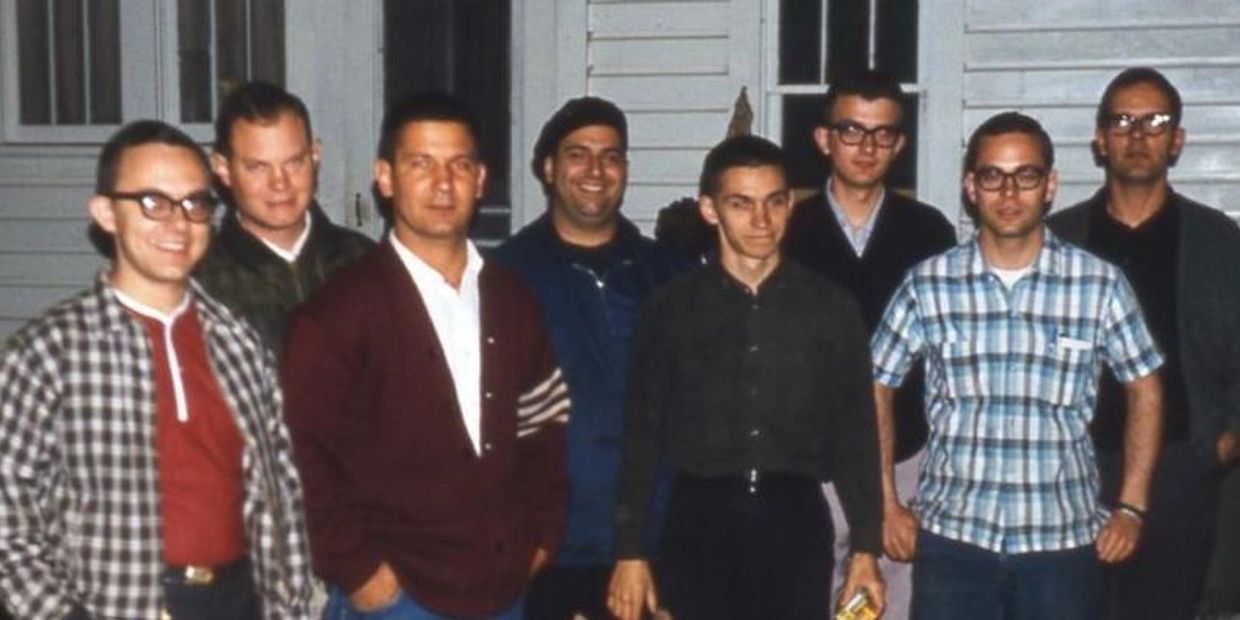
<point>957,580</point>
<point>404,608</point>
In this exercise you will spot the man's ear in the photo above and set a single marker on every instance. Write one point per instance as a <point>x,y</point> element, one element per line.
<point>1177,145</point>
<point>1052,186</point>
<point>706,206</point>
<point>899,145</point>
<point>821,135</point>
<point>482,181</point>
<point>219,165</point>
<point>970,190</point>
<point>316,152</point>
<point>548,170</point>
<point>383,177</point>
<point>102,212</point>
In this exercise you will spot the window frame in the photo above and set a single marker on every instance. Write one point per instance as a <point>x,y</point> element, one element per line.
<point>939,89</point>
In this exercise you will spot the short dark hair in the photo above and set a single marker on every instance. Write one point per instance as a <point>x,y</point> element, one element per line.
<point>256,102</point>
<point>132,135</point>
<point>429,106</point>
<point>1139,75</point>
<point>573,115</point>
<point>738,152</point>
<point>997,125</point>
<point>136,134</point>
<point>867,84</point>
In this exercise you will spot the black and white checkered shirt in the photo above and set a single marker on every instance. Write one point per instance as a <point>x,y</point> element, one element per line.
<point>79,495</point>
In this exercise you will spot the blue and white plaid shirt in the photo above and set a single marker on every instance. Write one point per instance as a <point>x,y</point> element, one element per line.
<point>1011,381</point>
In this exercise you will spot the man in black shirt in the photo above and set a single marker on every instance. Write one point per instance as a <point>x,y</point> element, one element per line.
<point>751,377</point>
<point>865,235</point>
<point>1183,260</point>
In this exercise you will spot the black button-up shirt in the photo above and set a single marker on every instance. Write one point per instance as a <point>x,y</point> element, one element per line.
<point>725,381</point>
<point>1147,256</point>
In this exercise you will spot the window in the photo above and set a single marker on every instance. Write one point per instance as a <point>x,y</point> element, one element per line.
<point>822,38</point>
<point>83,67</point>
<point>224,43</point>
<point>69,62</point>
<point>461,47</point>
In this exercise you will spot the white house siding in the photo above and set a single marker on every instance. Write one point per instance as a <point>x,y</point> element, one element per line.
<point>44,255</point>
<point>675,68</point>
<point>1052,59</point>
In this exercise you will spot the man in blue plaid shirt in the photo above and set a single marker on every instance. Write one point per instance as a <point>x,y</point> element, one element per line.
<point>1013,327</point>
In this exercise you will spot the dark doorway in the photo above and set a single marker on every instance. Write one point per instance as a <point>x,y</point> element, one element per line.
<point>461,47</point>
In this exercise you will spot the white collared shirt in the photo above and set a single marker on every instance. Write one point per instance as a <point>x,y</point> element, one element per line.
<point>857,237</point>
<point>290,255</point>
<point>166,320</point>
<point>456,316</point>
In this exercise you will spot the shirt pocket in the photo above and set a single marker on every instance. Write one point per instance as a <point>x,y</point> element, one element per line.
<point>963,371</point>
<point>1067,363</point>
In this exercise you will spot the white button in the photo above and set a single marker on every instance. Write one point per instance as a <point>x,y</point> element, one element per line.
<point>489,395</point>
<point>490,339</point>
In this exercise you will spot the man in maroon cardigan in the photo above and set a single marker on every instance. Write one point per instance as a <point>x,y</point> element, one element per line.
<point>425,404</point>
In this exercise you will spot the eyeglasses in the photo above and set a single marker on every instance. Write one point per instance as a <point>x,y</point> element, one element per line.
<point>852,134</point>
<point>992,179</point>
<point>1150,124</point>
<point>159,206</point>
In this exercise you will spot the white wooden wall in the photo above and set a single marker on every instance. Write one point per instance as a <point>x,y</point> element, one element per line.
<point>675,68</point>
<point>44,254</point>
<point>1052,59</point>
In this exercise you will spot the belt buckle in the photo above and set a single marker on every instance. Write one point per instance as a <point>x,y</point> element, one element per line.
<point>199,576</point>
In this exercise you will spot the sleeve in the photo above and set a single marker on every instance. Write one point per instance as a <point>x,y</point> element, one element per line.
<point>33,583</point>
<point>542,417</point>
<point>1129,347</point>
<point>854,432</point>
<point>319,370</point>
<point>899,337</point>
<point>288,585</point>
<point>650,380</point>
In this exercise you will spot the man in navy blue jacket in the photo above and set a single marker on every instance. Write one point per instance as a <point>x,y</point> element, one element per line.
<point>592,269</point>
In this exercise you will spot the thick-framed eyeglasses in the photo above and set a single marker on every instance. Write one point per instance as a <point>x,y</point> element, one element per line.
<point>1150,124</point>
<point>852,134</point>
<point>159,206</point>
<point>992,179</point>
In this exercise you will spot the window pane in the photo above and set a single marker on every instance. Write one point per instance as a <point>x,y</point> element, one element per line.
<point>70,96</point>
<point>267,41</point>
<point>848,23</point>
<point>896,48</point>
<point>193,47</point>
<point>105,62</point>
<point>462,47</point>
<point>230,45</point>
<point>32,51</point>
<point>807,168</point>
<point>800,29</point>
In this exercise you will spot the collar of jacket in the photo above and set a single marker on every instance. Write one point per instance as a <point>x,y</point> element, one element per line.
<point>113,317</point>
<point>252,251</point>
<point>625,243</point>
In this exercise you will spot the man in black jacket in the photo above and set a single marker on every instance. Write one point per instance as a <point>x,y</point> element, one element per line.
<point>1183,260</point>
<point>275,245</point>
<point>865,236</point>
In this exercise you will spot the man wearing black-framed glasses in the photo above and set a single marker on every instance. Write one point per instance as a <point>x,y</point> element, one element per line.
<point>1183,259</point>
<point>146,469</point>
<point>865,235</point>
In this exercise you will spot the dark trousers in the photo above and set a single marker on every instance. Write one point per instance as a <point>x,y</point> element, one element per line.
<point>562,592</point>
<point>232,596</point>
<point>1165,578</point>
<point>732,549</point>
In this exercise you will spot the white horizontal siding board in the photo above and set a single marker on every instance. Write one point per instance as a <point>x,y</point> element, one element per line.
<point>43,201</point>
<point>49,268</point>
<point>669,163</point>
<point>43,235</point>
<point>21,303</point>
<point>982,13</point>
<point>1068,86</point>
<point>658,19</point>
<point>703,93</point>
<point>1120,46</point>
<point>677,129</point>
<point>659,57</point>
